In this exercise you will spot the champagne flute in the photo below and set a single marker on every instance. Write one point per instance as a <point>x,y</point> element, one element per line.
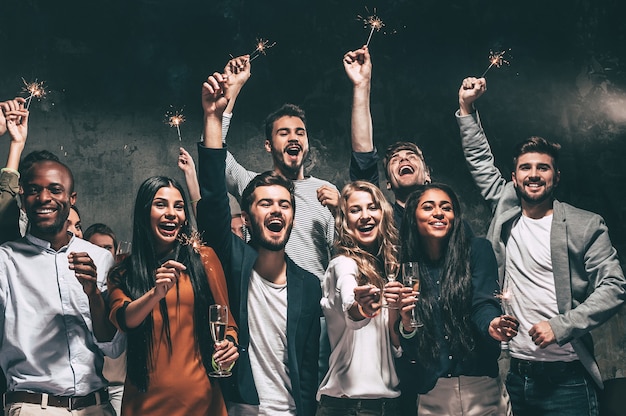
<point>411,278</point>
<point>218,322</point>
<point>123,251</point>
<point>391,268</point>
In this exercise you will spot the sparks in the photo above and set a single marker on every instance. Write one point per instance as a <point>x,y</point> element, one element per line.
<point>34,90</point>
<point>373,22</point>
<point>175,118</point>
<point>194,240</point>
<point>262,45</point>
<point>496,59</point>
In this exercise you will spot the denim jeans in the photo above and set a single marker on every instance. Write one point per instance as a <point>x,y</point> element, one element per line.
<point>567,391</point>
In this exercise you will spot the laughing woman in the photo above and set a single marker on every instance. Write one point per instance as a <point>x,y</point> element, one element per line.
<point>452,359</point>
<point>361,378</point>
<point>160,296</point>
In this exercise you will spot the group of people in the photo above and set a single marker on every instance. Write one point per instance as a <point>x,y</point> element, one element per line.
<point>319,321</point>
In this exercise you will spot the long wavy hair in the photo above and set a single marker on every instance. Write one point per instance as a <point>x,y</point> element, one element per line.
<point>135,276</point>
<point>371,266</point>
<point>456,281</point>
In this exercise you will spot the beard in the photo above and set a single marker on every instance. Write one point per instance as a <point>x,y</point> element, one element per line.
<point>44,228</point>
<point>535,199</point>
<point>258,238</point>
<point>292,170</point>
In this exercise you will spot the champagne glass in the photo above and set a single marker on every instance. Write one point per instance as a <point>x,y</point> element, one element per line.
<point>391,269</point>
<point>218,322</point>
<point>123,251</point>
<point>411,278</point>
<point>505,296</point>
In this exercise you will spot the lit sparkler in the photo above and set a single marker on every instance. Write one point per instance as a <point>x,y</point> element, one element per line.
<point>496,59</point>
<point>262,45</point>
<point>505,296</point>
<point>194,240</point>
<point>34,90</point>
<point>373,22</point>
<point>175,118</point>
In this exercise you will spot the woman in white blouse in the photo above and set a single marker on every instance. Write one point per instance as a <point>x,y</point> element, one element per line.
<point>361,375</point>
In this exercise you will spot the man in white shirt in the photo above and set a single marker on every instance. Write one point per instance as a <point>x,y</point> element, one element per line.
<point>54,328</point>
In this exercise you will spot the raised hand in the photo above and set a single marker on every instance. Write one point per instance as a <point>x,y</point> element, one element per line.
<point>471,89</point>
<point>215,94</point>
<point>358,66</point>
<point>185,162</point>
<point>14,118</point>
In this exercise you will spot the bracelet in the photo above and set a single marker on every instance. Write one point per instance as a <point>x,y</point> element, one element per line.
<point>362,312</point>
<point>404,334</point>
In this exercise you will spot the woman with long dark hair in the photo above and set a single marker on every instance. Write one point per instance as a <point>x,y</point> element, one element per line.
<point>160,297</point>
<point>451,358</point>
<point>361,378</point>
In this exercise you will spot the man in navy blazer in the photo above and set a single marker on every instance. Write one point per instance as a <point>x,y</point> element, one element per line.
<point>557,264</point>
<point>274,301</point>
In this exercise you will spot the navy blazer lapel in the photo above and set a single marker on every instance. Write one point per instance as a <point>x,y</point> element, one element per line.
<point>560,259</point>
<point>294,300</point>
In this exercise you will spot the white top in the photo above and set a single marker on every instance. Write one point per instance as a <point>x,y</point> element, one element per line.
<point>530,280</point>
<point>267,320</point>
<point>361,360</point>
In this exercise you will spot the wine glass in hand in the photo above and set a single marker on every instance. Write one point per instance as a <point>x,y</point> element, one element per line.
<point>411,278</point>
<point>218,322</point>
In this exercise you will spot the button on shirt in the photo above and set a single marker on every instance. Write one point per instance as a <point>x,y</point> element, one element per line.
<point>47,342</point>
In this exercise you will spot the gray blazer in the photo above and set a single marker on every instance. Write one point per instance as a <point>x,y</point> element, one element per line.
<point>589,282</point>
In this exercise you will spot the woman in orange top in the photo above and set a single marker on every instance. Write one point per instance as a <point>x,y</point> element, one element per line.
<point>160,296</point>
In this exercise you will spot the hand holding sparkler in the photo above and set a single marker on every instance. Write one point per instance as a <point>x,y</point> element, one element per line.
<point>358,66</point>
<point>14,118</point>
<point>471,89</point>
<point>237,71</point>
<point>214,102</point>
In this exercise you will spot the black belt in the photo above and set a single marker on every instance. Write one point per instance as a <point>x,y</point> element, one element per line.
<point>366,404</point>
<point>539,368</point>
<point>68,402</point>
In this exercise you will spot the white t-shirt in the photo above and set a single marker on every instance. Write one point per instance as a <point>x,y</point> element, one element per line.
<point>530,281</point>
<point>267,320</point>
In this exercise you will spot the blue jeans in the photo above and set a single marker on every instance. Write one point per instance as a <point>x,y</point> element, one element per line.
<point>554,389</point>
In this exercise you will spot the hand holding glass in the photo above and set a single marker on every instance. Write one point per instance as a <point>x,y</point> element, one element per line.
<point>392,269</point>
<point>218,321</point>
<point>411,278</point>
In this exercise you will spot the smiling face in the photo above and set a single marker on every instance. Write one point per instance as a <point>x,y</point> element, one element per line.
<point>167,216</point>
<point>270,217</point>
<point>405,171</point>
<point>363,218</point>
<point>535,178</point>
<point>434,215</point>
<point>47,193</point>
<point>289,146</point>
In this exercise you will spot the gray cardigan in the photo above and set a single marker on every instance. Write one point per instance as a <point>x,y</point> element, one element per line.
<point>589,282</point>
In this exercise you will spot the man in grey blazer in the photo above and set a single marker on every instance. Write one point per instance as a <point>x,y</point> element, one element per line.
<point>557,264</point>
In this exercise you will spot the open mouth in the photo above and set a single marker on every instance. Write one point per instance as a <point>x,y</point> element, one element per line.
<point>293,150</point>
<point>275,225</point>
<point>366,228</point>
<point>406,170</point>
<point>168,227</point>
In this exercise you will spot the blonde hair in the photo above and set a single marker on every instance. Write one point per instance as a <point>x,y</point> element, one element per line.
<point>371,266</point>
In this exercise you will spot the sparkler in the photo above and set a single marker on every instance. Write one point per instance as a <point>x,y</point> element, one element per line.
<point>262,45</point>
<point>35,90</point>
<point>194,240</point>
<point>175,118</point>
<point>496,59</point>
<point>373,21</point>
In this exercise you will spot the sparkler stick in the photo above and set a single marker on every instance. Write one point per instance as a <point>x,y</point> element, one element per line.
<point>194,240</point>
<point>35,90</point>
<point>175,119</point>
<point>374,22</point>
<point>496,59</point>
<point>262,45</point>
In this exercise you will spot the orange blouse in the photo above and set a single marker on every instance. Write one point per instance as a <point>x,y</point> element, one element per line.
<point>178,383</point>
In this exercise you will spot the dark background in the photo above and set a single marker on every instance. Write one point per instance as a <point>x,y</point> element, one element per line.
<point>114,68</point>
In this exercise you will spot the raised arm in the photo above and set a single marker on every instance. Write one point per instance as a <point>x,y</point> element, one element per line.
<point>187,165</point>
<point>14,119</point>
<point>476,148</point>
